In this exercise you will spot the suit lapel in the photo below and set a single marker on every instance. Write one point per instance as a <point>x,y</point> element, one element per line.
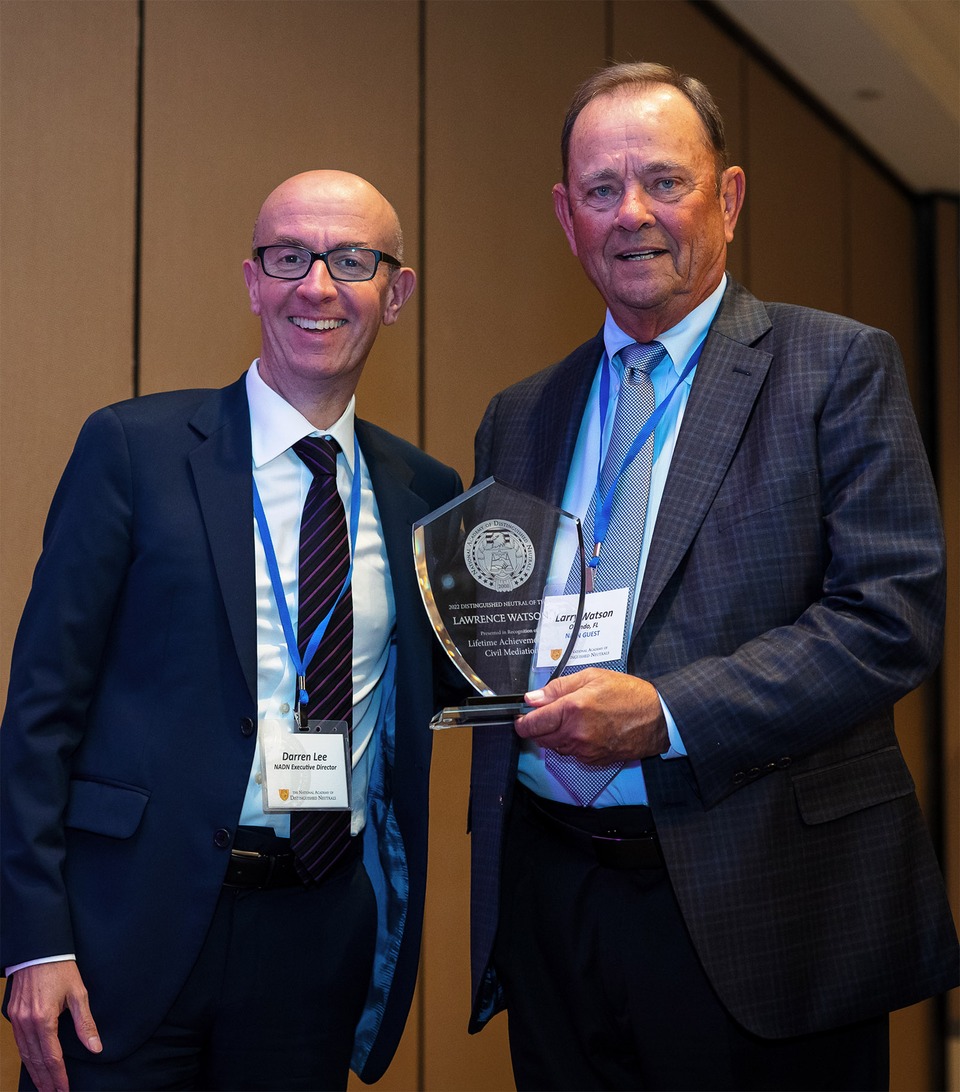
<point>222,471</point>
<point>729,376</point>
<point>558,420</point>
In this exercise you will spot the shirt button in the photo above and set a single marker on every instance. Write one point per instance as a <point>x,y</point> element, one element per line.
<point>258,778</point>
<point>285,708</point>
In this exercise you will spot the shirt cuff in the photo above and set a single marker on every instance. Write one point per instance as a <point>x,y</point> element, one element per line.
<point>36,962</point>
<point>676,748</point>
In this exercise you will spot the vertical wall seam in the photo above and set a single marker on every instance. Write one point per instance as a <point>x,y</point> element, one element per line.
<point>421,995</point>
<point>608,32</point>
<point>422,232</point>
<point>743,107</point>
<point>138,208</point>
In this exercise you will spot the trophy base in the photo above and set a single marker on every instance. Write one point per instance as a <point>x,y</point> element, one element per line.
<point>498,709</point>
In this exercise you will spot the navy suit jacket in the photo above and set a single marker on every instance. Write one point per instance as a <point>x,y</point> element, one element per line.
<point>794,591</point>
<point>130,725</point>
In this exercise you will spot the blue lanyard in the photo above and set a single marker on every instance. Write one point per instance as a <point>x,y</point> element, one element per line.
<point>604,506</point>
<point>283,609</point>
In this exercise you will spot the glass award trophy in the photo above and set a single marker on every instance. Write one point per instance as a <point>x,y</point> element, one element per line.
<point>485,563</point>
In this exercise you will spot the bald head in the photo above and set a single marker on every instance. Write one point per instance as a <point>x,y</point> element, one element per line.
<point>332,189</point>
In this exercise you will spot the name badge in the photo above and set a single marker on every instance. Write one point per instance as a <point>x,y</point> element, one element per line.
<point>309,770</point>
<point>601,629</point>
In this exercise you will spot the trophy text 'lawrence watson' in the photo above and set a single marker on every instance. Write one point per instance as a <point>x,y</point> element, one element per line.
<point>501,575</point>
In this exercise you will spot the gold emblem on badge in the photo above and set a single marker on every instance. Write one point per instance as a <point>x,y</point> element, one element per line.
<point>555,654</point>
<point>284,794</point>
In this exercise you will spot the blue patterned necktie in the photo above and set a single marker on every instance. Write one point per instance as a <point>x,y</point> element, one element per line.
<point>320,838</point>
<point>620,556</point>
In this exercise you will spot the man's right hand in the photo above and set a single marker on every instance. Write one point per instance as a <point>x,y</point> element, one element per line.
<point>38,994</point>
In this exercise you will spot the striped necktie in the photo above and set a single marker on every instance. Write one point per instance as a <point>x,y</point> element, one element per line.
<point>620,556</point>
<point>320,838</point>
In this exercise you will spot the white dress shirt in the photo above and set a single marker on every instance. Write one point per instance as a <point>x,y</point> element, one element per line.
<point>283,481</point>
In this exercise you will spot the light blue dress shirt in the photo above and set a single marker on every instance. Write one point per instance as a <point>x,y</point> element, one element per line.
<point>681,341</point>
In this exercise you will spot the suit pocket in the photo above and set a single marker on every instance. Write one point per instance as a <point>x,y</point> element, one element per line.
<point>102,808</point>
<point>850,786</point>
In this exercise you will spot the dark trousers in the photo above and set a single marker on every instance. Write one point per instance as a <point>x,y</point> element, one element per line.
<point>272,1002</point>
<point>605,991</point>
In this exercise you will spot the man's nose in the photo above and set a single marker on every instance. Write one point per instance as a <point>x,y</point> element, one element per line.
<point>318,282</point>
<point>636,209</point>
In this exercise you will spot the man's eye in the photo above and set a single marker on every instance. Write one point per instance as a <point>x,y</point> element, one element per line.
<point>291,258</point>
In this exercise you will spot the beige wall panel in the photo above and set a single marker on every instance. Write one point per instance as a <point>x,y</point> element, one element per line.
<point>504,297</point>
<point>67,84</point>
<point>674,32</point>
<point>795,198</point>
<point>239,94</point>
<point>67,125</point>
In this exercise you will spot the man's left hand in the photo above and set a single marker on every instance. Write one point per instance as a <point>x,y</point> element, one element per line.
<point>599,716</point>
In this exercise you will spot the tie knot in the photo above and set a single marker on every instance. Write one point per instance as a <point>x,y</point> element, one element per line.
<point>642,357</point>
<point>318,453</point>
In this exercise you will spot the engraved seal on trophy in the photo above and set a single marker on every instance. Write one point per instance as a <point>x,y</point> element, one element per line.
<point>499,555</point>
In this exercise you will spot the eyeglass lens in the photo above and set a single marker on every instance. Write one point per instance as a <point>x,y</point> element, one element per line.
<point>345,264</point>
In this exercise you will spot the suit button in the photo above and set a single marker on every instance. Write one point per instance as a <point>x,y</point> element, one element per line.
<point>247,727</point>
<point>770,767</point>
<point>753,772</point>
<point>221,838</point>
<point>739,777</point>
<point>785,762</point>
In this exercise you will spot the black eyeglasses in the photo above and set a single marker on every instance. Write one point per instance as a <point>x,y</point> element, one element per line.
<point>346,263</point>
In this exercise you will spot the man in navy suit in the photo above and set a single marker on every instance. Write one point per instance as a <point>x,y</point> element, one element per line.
<point>152,899</point>
<point>700,863</point>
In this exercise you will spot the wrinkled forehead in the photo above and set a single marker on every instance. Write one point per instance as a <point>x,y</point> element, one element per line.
<point>634,120</point>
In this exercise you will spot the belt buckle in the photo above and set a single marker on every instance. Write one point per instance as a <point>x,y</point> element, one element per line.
<point>639,851</point>
<point>250,856</point>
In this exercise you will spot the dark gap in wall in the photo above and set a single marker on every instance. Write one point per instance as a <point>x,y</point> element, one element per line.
<point>138,207</point>
<point>846,231</point>
<point>421,295</point>
<point>608,31</point>
<point>421,995</point>
<point>744,110</point>
<point>925,249</point>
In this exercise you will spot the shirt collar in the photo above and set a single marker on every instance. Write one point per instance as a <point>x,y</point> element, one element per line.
<point>275,426</point>
<point>679,340</point>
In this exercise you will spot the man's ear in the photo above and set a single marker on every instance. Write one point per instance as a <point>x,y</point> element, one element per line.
<point>732,188</point>
<point>561,206</point>
<point>400,290</point>
<point>253,284</point>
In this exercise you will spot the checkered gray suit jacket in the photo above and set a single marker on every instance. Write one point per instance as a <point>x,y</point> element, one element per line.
<point>794,591</point>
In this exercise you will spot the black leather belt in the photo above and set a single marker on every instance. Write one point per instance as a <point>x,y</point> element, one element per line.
<point>619,837</point>
<point>251,868</point>
<point>259,859</point>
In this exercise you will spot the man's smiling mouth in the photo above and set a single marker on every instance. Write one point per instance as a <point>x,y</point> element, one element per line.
<point>639,255</point>
<point>318,324</point>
